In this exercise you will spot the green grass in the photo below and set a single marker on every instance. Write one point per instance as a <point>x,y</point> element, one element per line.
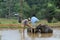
<point>15,21</point>
<point>49,24</point>
<point>8,21</point>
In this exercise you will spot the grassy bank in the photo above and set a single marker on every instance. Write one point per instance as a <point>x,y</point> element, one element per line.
<point>13,23</point>
<point>57,24</point>
<point>8,21</point>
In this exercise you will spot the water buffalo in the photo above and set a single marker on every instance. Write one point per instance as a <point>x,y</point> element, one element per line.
<point>41,29</point>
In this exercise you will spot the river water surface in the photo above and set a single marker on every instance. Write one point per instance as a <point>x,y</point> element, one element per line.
<point>22,34</point>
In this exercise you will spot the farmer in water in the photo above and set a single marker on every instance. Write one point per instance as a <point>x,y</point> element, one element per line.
<point>34,21</point>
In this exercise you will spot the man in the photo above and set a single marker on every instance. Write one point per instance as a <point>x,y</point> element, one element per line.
<point>25,23</point>
<point>34,20</point>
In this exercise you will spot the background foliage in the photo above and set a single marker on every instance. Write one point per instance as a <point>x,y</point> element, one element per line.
<point>41,8</point>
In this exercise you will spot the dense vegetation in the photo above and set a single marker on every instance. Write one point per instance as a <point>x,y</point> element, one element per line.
<point>41,8</point>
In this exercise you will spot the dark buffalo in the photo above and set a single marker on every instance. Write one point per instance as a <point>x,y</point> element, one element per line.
<point>41,29</point>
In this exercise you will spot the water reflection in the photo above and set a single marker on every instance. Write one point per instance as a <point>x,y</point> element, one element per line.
<point>22,34</point>
<point>10,34</point>
<point>39,35</point>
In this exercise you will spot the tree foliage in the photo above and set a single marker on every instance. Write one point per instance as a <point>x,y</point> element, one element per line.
<point>41,8</point>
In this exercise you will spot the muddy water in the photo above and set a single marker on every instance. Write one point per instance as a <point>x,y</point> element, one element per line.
<point>21,34</point>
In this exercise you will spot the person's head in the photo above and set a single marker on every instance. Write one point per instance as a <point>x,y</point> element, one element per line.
<point>33,15</point>
<point>29,19</point>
